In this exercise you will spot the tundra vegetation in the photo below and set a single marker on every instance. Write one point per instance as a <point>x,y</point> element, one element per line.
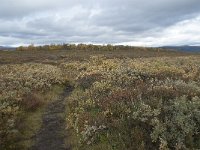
<point>123,98</point>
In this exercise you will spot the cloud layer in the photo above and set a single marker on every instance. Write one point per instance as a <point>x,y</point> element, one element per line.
<point>133,22</point>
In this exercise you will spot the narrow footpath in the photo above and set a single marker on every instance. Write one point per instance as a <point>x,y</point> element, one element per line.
<point>52,133</point>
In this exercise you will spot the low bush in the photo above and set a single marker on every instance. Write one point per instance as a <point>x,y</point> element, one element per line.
<point>21,85</point>
<point>137,104</point>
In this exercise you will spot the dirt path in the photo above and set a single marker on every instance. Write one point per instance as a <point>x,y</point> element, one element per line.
<point>52,133</point>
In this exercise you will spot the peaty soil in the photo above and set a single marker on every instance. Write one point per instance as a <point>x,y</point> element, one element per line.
<point>52,133</point>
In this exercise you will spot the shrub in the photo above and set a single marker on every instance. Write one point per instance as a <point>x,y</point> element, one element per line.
<point>137,104</point>
<point>19,88</point>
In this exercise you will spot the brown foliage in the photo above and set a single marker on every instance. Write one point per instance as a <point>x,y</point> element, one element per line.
<point>31,101</point>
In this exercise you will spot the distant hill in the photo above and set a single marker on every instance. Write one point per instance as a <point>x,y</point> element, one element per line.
<point>7,48</point>
<point>184,48</point>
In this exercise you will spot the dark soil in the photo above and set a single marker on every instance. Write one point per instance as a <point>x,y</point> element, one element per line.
<point>52,133</point>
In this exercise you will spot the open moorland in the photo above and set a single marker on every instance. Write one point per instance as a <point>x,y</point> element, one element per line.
<point>89,97</point>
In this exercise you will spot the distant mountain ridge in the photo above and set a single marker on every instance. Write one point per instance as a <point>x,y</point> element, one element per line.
<point>185,48</point>
<point>7,48</point>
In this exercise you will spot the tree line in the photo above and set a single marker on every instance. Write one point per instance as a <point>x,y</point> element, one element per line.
<point>108,47</point>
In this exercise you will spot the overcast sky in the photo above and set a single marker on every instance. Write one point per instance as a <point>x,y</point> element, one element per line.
<point>132,22</point>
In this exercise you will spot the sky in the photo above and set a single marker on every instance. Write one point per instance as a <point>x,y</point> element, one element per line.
<point>128,22</point>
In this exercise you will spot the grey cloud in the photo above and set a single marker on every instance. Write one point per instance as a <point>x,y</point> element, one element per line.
<point>141,15</point>
<point>103,21</point>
